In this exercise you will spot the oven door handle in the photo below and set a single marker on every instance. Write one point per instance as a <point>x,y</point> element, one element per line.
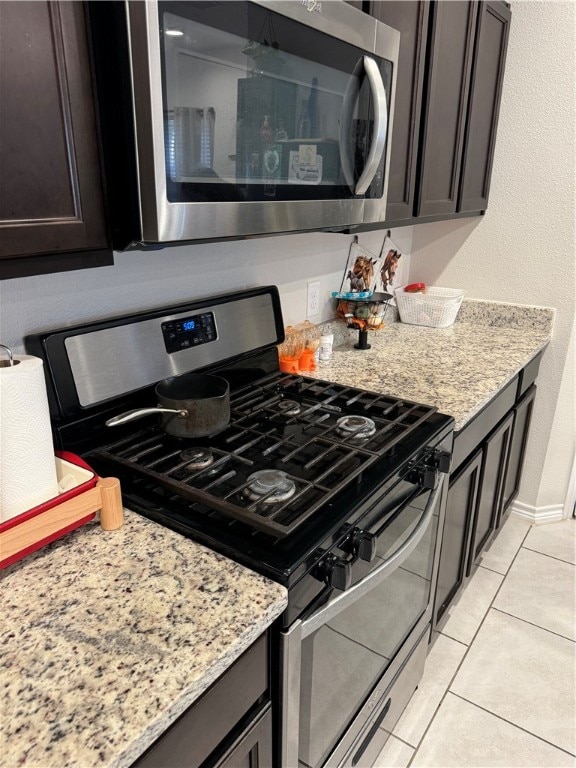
<point>373,579</point>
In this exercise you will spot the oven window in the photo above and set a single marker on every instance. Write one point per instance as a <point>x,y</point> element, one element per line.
<point>344,659</point>
<point>253,104</point>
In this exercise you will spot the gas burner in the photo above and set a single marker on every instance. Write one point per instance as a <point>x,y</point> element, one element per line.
<point>197,458</point>
<point>274,482</point>
<point>289,407</point>
<point>355,427</point>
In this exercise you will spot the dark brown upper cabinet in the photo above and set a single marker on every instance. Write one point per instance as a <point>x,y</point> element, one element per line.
<point>485,94</point>
<point>411,20</point>
<point>444,119</point>
<point>451,68</point>
<point>51,199</point>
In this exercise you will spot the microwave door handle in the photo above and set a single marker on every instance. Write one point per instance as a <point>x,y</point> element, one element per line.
<point>380,125</point>
<point>373,579</point>
<point>346,117</point>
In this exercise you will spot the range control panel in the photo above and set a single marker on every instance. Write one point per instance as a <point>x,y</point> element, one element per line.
<point>189,332</point>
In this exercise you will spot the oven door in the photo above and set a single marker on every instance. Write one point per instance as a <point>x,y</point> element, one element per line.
<point>341,656</point>
<point>259,117</point>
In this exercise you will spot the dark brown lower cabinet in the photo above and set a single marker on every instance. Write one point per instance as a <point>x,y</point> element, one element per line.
<point>489,503</point>
<point>230,726</point>
<point>487,464</point>
<point>522,419</point>
<point>460,505</point>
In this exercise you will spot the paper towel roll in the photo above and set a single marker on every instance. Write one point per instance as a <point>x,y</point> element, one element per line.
<point>27,466</point>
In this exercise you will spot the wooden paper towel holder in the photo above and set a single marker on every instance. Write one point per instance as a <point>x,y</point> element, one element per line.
<point>28,532</point>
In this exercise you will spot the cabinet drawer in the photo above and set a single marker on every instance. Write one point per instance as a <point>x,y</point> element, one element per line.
<point>203,727</point>
<point>469,438</point>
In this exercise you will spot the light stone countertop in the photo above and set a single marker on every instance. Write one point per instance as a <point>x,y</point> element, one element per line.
<point>107,637</point>
<point>458,369</point>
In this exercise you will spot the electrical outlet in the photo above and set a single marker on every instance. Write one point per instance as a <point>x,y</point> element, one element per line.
<point>313,300</point>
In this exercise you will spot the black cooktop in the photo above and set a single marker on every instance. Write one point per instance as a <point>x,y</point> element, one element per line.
<point>321,453</point>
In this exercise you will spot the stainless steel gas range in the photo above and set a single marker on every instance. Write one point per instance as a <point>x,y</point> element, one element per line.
<point>335,492</point>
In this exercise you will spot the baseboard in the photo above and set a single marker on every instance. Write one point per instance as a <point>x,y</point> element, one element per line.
<point>538,515</point>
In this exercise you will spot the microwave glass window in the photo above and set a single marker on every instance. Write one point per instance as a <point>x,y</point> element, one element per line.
<point>249,114</point>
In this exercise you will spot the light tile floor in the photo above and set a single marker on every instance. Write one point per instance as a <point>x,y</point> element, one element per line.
<point>499,687</point>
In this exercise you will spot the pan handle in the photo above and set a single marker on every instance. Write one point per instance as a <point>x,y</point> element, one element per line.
<point>124,418</point>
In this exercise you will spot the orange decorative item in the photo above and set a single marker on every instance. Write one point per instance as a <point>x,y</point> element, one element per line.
<point>290,350</point>
<point>297,353</point>
<point>415,288</point>
<point>310,335</point>
<point>307,361</point>
<point>289,365</point>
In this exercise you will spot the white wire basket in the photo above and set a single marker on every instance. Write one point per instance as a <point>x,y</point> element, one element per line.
<point>437,308</point>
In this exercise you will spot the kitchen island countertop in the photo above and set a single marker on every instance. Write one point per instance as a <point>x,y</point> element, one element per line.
<point>458,369</point>
<point>107,637</point>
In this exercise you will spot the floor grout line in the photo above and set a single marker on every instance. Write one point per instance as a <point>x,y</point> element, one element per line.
<point>532,624</point>
<point>399,738</point>
<point>491,570</point>
<point>461,642</point>
<point>545,554</point>
<point>463,659</point>
<point>515,725</point>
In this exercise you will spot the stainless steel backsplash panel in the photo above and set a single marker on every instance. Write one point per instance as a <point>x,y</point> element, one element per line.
<point>113,361</point>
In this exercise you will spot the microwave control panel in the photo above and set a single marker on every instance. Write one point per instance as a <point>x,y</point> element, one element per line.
<point>189,332</point>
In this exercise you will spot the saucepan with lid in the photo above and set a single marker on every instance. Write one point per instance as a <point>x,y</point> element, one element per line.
<point>191,405</point>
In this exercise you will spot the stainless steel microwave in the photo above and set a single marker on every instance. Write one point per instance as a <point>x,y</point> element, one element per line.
<point>233,119</point>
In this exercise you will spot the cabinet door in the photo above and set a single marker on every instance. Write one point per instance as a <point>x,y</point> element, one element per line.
<point>489,503</point>
<point>50,185</point>
<point>522,419</point>
<point>460,505</point>
<point>411,20</point>
<point>254,747</point>
<point>485,94</point>
<point>446,102</point>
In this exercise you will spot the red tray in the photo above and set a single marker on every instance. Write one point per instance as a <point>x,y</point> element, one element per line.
<point>33,529</point>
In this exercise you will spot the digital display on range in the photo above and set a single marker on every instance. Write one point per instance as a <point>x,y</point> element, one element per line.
<point>189,332</point>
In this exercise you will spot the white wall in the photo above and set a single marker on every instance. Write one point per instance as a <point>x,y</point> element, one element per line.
<point>523,250</point>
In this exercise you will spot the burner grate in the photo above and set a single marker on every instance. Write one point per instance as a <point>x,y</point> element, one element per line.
<point>307,446</point>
